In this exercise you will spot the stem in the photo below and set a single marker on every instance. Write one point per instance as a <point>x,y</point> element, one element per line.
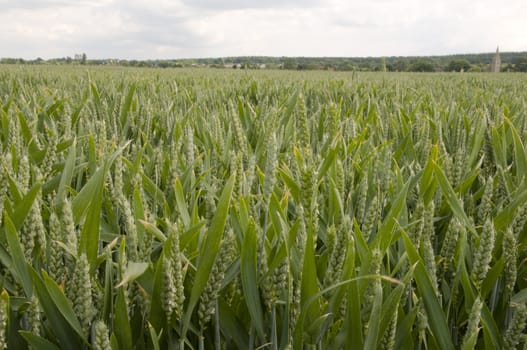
<point>170,336</point>
<point>274,340</point>
<point>201,345</point>
<point>217,339</point>
<point>262,243</point>
<point>251,337</point>
<point>181,338</point>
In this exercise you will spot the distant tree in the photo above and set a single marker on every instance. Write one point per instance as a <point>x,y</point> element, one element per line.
<point>422,66</point>
<point>83,58</point>
<point>476,68</point>
<point>346,66</point>
<point>400,66</point>
<point>366,66</point>
<point>289,63</point>
<point>456,65</point>
<point>520,64</point>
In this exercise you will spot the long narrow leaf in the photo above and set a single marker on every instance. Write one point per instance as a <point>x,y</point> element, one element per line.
<point>209,250</point>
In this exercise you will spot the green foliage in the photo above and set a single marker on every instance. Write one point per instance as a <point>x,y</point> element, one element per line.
<point>422,65</point>
<point>520,65</point>
<point>218,209</point>
<point>458,65</point>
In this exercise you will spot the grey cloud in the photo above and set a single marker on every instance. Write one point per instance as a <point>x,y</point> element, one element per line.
<point>192,28</point>
<point>170,27</point>
<point>217,5</point>
<point>354,23</point>
<point>146,29</point>
<point>8,5</point>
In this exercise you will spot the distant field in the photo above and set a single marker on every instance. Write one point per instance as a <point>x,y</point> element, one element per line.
<point>229,209</point>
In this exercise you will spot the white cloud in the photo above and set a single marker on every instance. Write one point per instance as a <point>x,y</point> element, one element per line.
<point>185,28</point>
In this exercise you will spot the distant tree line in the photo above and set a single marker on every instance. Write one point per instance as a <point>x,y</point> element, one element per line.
<point>510,62</point>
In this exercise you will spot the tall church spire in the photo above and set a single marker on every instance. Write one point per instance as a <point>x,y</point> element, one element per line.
<point>496,62</point>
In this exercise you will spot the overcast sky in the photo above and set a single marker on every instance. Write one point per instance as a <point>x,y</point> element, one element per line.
<point>145,29</point>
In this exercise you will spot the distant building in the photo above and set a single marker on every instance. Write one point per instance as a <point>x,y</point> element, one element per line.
<point>496,62</point>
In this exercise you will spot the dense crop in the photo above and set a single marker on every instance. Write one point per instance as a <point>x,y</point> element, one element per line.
<point>216,210</point>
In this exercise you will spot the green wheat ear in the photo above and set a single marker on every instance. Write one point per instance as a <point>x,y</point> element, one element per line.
<point>510,251</point>
<point>79,291</point>
<point>101,340</point>
<point>209,297</point>
<point>471,334</point>
<point>4,317</point>
<point>515,332</point>
<point>483,254</point>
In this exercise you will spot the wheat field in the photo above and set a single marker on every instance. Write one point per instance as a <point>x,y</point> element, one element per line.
<point>215,209</point>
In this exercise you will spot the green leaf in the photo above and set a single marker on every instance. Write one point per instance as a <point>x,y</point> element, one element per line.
<point>384,237</point>
<point>310,282</point>
<point>125,110</point>
<point>249,277</point>
<point>77,111</point>
<point>491,332</point>
<point>17,256</point>
<point>506,215</point>
<point>353,314</point>
<point>89,237</point>
<point>153,230</point>
<point>439,326</point>
<point>180,202</point>
<point>520,155</point>
<point>133,271</point>
<point>108,303</point>
<point>62,303</point>
<point>390,306</point>
<point>154,337</point>
<point>37,342</point>
<point>451,197</point>
<point>289,180</point>
<point>121,324</point>
<point>91,199</point>
<point>520,297</point>
<point>91,190</point>
<point>67,173</point>
<point>428,184</point>
<point>471,342</point>
<point>232,326</point>
<point>157,314</point>
<point>66,335</point>
<point>404,328</point>
<point>23,207</point>
<point>373,336</point>
<point>209,250</point>
<point>84,198</point>
<point>329,158</point>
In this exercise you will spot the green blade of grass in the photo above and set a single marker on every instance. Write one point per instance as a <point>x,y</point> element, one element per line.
<point>209,250</point>
<point>37,342</point>
<point>249,277</point>
<point>17,257</point>
<point>438,324</point>
<point>67,336</point>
